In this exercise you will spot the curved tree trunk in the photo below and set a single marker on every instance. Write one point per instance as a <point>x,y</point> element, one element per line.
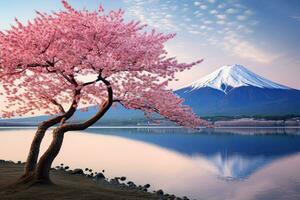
<point>34,150</point>
<point>33,154</point>
<point>31,161</point>
<point>45,162</point>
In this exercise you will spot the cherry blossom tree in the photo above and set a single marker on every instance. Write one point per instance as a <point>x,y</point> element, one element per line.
<point>74,58</point>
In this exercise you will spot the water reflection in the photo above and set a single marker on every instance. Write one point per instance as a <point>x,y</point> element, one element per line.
<point>236,156</point>
<point>206,164</point>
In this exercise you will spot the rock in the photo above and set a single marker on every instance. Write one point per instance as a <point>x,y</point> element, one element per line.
<point>172,197</point>
<point>160,192</point>
<point>2,161</point>
<point>99,176</point>
<point>140,187</point>
<point>114,181</point>
<point>62,164</point>
<point>103,171</point>
<point>147,186</point>
<point>131,184</point>
<point>90,170</point>
<point>89,176</point>
<point>77,171</point>
<point>86,169</point>
<point>67,167</point>
<point>19,162</point>
<point>123,178</point>
<point>185,198</point>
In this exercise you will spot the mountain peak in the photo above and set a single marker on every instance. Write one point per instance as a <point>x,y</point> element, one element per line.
<point>234,76</point>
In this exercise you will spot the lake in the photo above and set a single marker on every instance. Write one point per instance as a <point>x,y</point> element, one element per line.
<point>238,163</point>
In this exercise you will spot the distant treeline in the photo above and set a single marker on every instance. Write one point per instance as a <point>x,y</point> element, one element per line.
<point>263,117</point>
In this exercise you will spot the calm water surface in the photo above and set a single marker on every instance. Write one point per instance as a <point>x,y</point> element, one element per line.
<point>220,164</point>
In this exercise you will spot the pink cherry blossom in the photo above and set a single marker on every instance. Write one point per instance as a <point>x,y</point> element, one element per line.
<point>41,63</point>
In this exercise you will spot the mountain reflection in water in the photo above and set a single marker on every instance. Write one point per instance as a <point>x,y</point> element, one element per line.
<point>208,164</point>
<point>235,151</point>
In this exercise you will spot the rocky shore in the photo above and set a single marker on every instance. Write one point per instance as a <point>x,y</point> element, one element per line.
<point>91,184</point>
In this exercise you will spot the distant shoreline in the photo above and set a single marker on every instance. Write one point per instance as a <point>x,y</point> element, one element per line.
<point>166,127</point>
<point>285,121</point>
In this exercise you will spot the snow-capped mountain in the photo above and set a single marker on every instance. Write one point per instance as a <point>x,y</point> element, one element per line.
<point>233,90</point>
<point>234,76</point>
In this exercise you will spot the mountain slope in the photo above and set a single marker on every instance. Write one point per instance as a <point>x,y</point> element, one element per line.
<point>234,76</point>
<point>235,91</point>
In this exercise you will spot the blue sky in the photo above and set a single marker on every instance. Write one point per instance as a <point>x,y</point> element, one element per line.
<point>261,35</point>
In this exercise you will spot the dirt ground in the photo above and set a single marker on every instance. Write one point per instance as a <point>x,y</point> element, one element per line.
<point>66,186</point>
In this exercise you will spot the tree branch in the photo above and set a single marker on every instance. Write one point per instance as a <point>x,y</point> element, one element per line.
<point>95,81</point>
<point>66,115</point>
<point>61,108</point>
<point>13,73</point>
<point>102,110</point>
<point>47,47</point>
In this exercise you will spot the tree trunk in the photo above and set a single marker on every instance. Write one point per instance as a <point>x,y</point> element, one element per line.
<point>34,150</point>
<point>45,162</point>
<point>31,162</point>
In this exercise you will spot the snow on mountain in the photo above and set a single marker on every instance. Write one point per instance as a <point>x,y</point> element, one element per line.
<point>233,76</point>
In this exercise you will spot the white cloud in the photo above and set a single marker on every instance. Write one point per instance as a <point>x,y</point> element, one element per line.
<point>213,12</point>
<point>296,17</point>
<point>199,15</point>
<point>231,11</point>
<point>221,22</point>
<point>231,24</point>
<point>245,49</point>
<point>185,9</point>
<point>174,8</point>
<point>168,16</point>
<point>156,18</point>
<point>240,26</point>
<point>238,5</point>
<point>197,3</point>
<point>194,32</point>
<point>254,22</point>
<point>221,6</point>
<point>221,17</point>
<point>203,7</point>
<point>187,19</point>
<point>241,17</point>
<point>207,22</point>
<point>216,28</point>
<point>248,12</point>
